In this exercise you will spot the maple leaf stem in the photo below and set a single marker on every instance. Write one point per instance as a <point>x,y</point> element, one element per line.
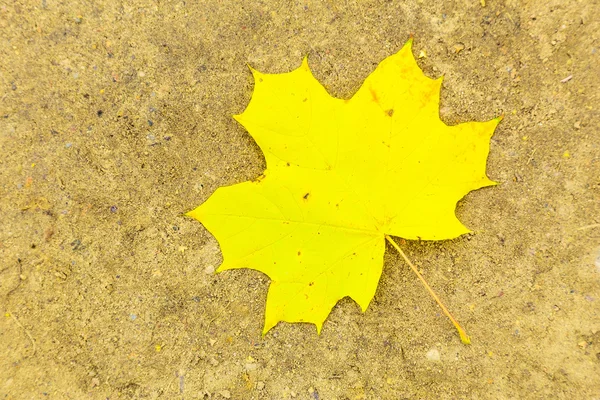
<point>461,332</point>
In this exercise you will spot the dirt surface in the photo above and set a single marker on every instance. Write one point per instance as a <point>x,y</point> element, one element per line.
<point>115,119</point>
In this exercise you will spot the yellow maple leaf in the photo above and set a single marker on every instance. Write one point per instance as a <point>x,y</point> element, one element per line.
<point>341,176</point>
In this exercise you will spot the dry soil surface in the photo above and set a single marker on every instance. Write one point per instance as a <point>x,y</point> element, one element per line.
<point>115,119</point>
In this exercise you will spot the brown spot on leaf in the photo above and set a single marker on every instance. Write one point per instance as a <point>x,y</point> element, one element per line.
<point>311,283</point>
<point>305,197</point>
<point>390,112</point>
<point>374,95</point>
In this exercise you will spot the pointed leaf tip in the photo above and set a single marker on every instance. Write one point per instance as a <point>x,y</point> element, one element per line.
<point>304,66</point>
<point>195,213</point>
<point>255,73</point>
<point>319,328</point>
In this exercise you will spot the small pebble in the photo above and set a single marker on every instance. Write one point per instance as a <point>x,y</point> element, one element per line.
<point>433,355</point>
<point>113,209</point>
<point>251,366</point>
<point>567,79</point>
<point>260,385</point>
<point>209,269</point>
<point>225,393</point>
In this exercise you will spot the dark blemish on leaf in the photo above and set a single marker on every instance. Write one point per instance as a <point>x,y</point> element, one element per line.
<point>374,95</point>
<point>299,253</point>
<point>305,99</point>
<point>305,197</point>
<point>260,79</point>
<point>287,164</point>
<point>390,112</point>
<point>311,283</point>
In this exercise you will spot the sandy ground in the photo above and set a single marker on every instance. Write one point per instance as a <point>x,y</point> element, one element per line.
<point>115,119</point>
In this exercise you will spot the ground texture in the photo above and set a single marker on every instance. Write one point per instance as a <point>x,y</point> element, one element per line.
<point>115,119</point>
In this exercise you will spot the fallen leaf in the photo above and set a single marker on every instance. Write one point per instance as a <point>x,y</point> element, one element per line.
<point>341,175</point>
<point>458,47</point>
